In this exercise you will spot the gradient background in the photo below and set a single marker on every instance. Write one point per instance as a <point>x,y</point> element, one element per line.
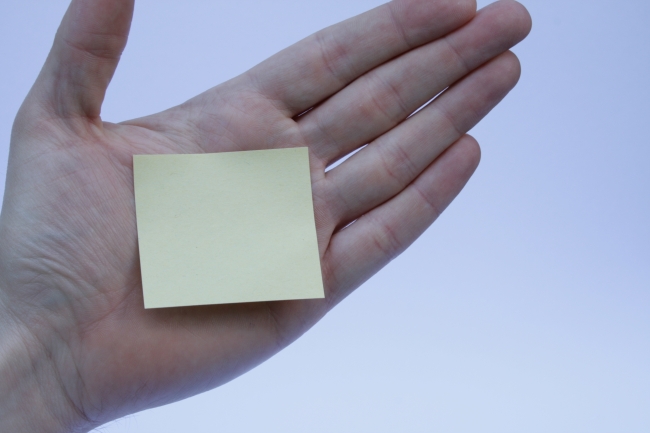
<point>525,308</point>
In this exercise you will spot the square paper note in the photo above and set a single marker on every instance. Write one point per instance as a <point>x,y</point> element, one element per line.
<point>226,227</point>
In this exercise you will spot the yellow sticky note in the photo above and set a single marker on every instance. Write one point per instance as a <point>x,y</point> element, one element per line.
<point>226,227</point>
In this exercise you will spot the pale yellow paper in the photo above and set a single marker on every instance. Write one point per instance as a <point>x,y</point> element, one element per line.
<point>226,227</point>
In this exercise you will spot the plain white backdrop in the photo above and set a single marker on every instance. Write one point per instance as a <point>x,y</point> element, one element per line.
<point>525,308</point>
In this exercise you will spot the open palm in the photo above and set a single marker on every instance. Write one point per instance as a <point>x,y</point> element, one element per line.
<point>69,268</point>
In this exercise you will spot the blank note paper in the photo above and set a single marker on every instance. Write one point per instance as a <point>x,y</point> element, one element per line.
<point>226,227</point>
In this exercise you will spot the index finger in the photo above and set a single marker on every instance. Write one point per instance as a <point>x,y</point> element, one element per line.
<point>309,71</point>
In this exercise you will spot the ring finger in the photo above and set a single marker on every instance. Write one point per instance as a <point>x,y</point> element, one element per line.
<point>387,165</point>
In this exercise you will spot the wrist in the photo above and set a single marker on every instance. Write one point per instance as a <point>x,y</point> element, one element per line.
<point>32,395</point>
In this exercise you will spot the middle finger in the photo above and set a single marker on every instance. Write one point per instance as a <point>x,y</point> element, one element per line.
<point>385,96</point>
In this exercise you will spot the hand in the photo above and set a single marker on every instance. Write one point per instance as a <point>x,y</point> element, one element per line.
<point>75,340</point>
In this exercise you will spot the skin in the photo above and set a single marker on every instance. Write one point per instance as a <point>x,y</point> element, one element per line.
<point>75,340</point>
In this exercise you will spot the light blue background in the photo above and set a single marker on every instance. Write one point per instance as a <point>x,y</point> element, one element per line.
<point>525,308</point>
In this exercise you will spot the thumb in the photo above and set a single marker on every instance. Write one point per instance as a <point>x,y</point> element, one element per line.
<point>86,51</point>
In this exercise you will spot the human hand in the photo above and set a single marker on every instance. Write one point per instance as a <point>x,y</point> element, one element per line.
<point>75,340</point>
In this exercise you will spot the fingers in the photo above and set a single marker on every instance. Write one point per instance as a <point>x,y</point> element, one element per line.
<point>382,98</point>
<point>386,166</point>
<point>360,250</point>
<point>313,69</point>
<point>86,50</point>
